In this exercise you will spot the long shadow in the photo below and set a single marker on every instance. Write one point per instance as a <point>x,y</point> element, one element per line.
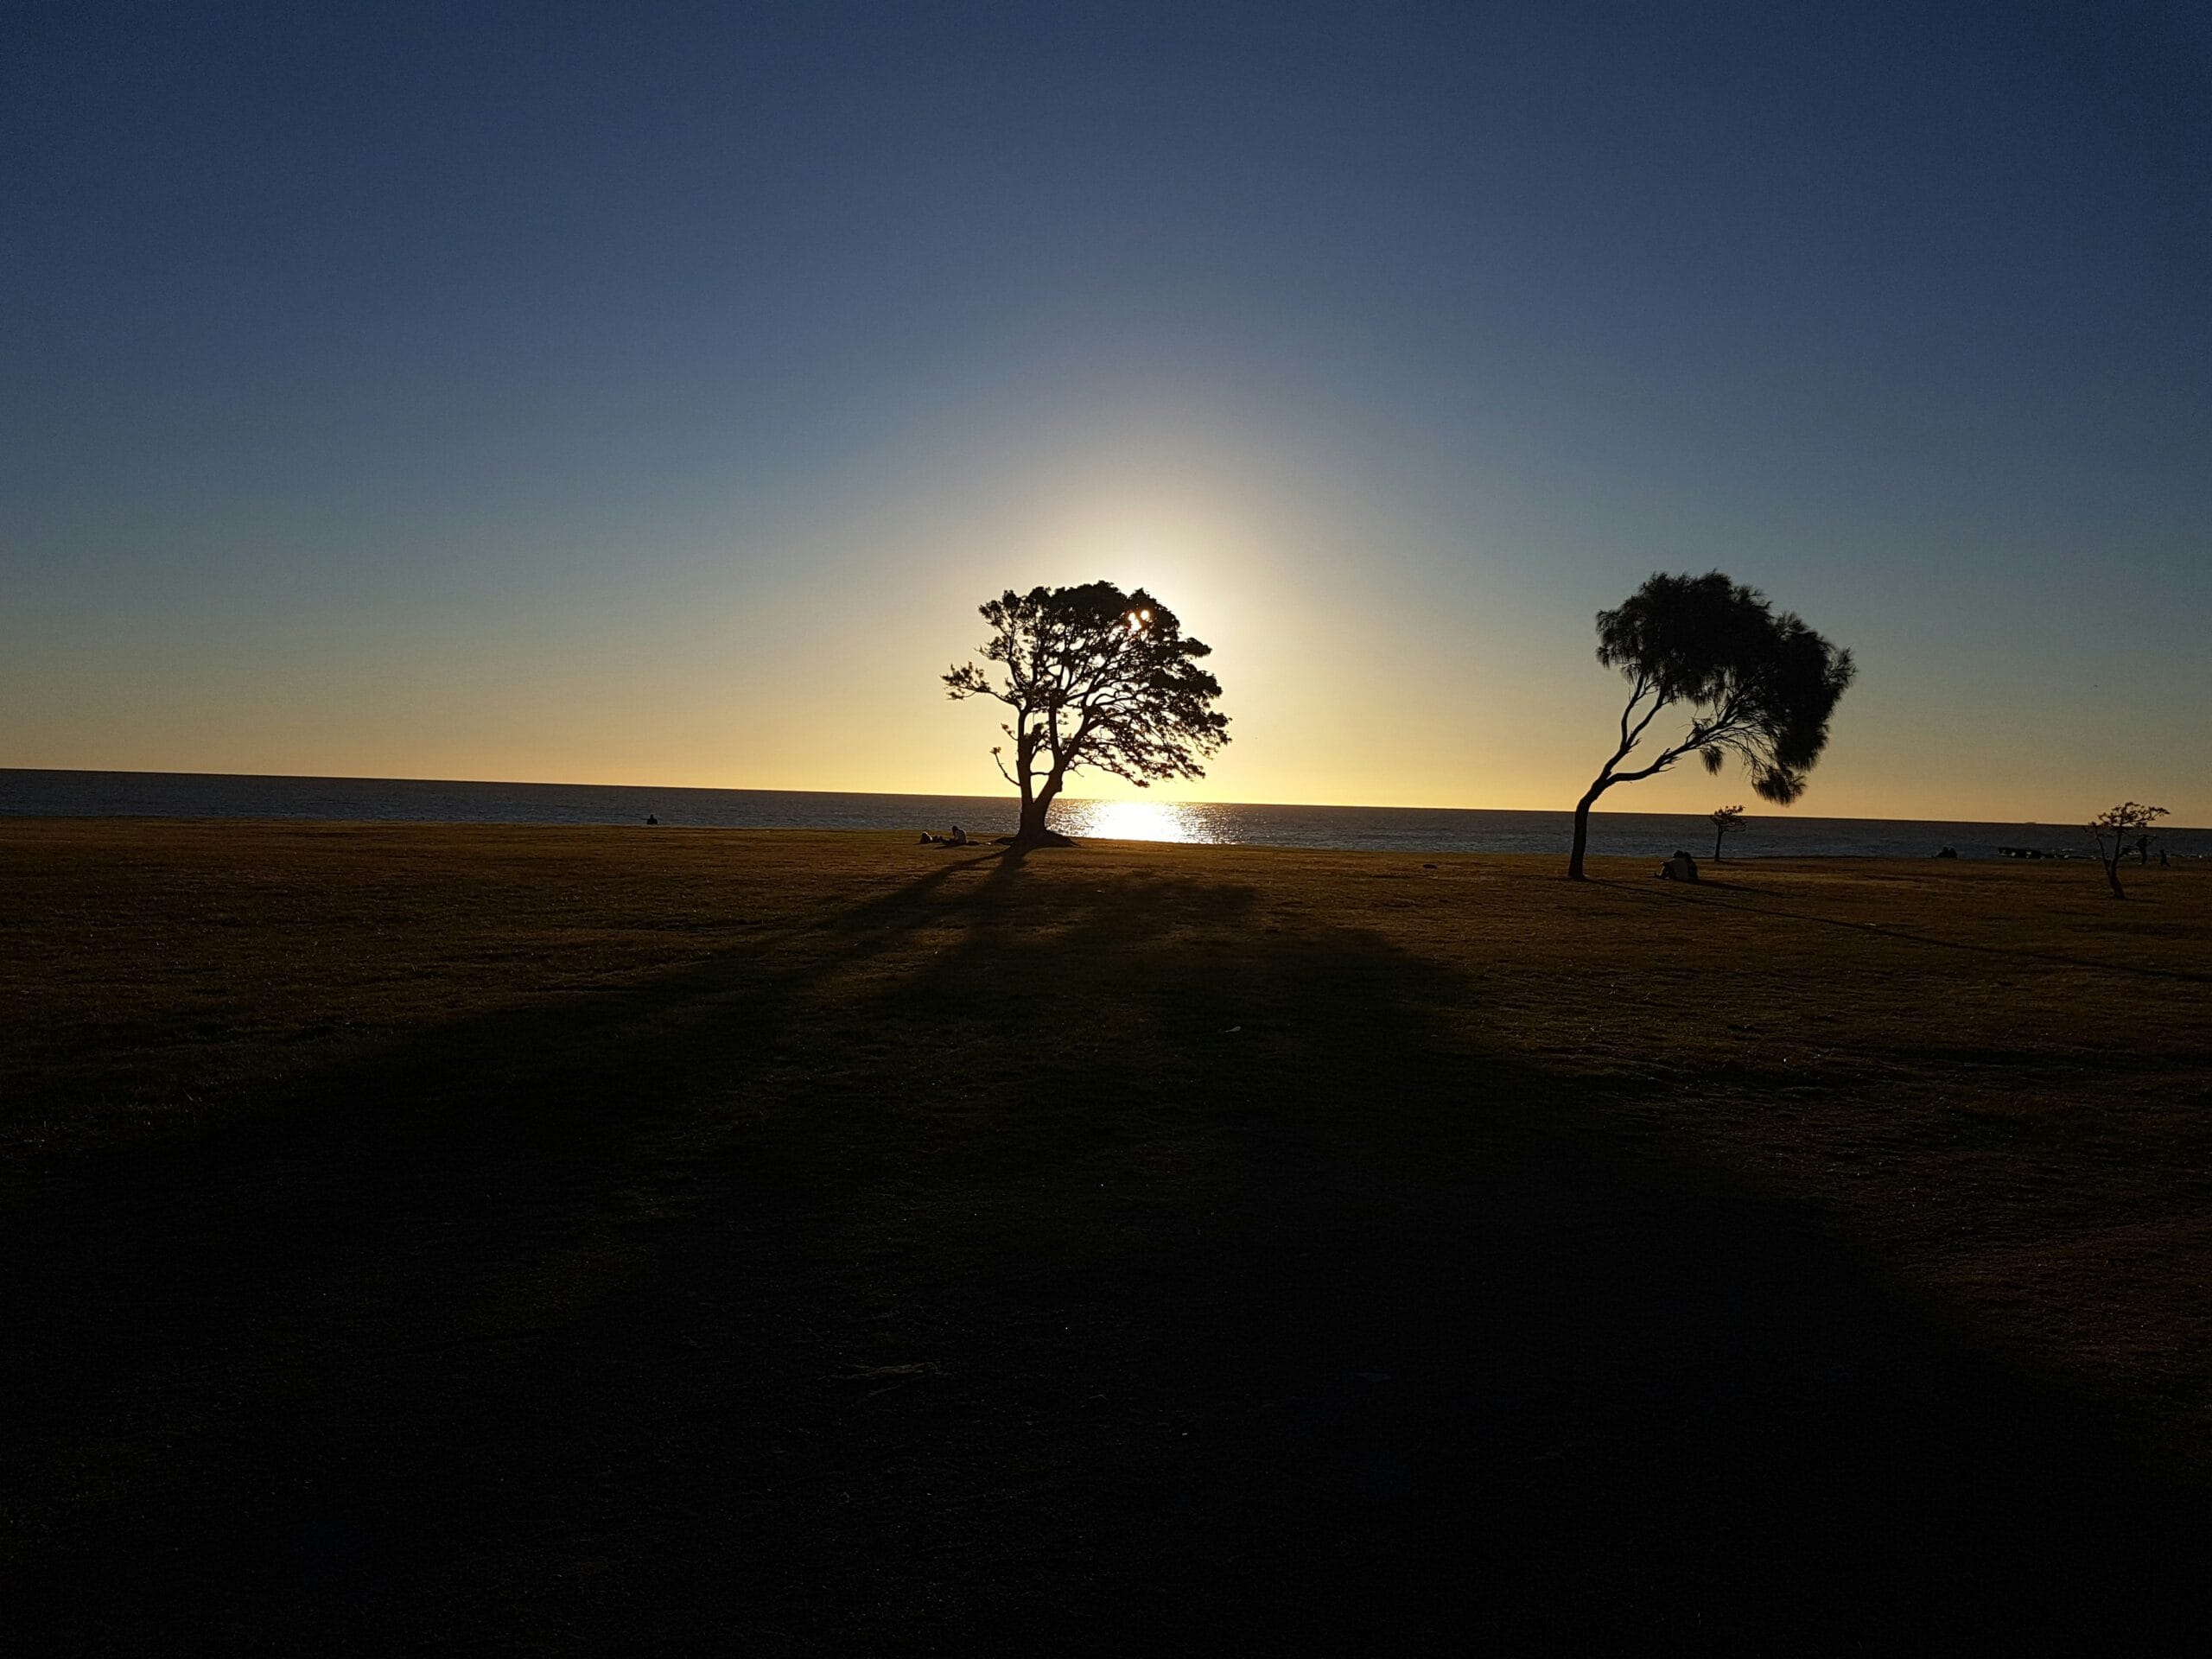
<point>1119,1271</point>
<point>501,1127</point>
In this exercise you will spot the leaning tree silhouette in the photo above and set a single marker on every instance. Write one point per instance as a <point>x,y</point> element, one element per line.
<point>1092,676</point>
<point>1759,685</point>
<point>2119,828</point>
<point>1725,821</point>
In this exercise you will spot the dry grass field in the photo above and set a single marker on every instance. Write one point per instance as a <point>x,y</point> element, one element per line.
<point>553,1239</point>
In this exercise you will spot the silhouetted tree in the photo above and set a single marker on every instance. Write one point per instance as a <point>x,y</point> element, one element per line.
<point>1092,676</point>
<point>2113,829</point>
<point>1725,821</point>
<point>1758,685</point>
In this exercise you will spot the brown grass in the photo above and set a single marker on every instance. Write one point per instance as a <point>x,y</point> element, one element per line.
<point>526,1220</point>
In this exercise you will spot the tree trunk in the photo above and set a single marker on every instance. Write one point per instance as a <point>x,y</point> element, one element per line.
<point>2111,874</point>
<point>1718,832</point>
<point>1030,813</point>
<point>1032,831</point>
<point>1582,832</point>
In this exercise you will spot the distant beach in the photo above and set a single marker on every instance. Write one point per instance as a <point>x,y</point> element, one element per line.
<point>25,793</point>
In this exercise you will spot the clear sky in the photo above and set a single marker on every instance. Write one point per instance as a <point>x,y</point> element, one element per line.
<point>650,393</point>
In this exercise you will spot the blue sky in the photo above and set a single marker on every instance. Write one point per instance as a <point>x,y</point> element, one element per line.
<point>650,393</point>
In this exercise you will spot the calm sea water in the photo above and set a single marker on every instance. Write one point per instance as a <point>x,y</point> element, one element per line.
<point>1373,828</point>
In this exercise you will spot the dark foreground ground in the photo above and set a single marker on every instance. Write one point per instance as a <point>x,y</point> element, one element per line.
<point>544,1240</point>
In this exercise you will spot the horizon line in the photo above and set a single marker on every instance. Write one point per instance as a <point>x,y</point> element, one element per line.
<point>741,789</point>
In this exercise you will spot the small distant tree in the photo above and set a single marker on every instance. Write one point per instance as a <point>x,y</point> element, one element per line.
<point>1725,821</point>
<point>2116,832</point>
<point>1092,676</point>
<point>1759,685</point>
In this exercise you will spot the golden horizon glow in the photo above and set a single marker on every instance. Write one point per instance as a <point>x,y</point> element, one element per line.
<point>1364,662</point>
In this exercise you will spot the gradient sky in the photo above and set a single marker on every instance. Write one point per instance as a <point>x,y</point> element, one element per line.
<point>649,393</point>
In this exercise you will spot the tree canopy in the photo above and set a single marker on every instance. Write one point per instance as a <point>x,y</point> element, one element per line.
<point>1759,684</point>
<point>1092,678</point>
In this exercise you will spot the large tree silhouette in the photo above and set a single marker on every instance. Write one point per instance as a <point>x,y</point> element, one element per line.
<point>1758,685</point>
<point>1092,676</point>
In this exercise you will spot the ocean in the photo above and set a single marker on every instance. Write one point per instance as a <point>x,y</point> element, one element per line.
<point>1370,829</point>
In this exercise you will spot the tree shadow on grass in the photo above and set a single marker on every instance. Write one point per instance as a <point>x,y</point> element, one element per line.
<point>1030,1255</point>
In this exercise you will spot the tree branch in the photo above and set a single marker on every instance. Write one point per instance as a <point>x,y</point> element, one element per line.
<point>1667,757</point>
<point>1628,738</point>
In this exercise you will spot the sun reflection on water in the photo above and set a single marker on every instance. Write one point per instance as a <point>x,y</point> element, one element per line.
<point>1140,821</point>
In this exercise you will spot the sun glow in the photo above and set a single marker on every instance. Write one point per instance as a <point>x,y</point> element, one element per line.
<point>1137,821</point>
